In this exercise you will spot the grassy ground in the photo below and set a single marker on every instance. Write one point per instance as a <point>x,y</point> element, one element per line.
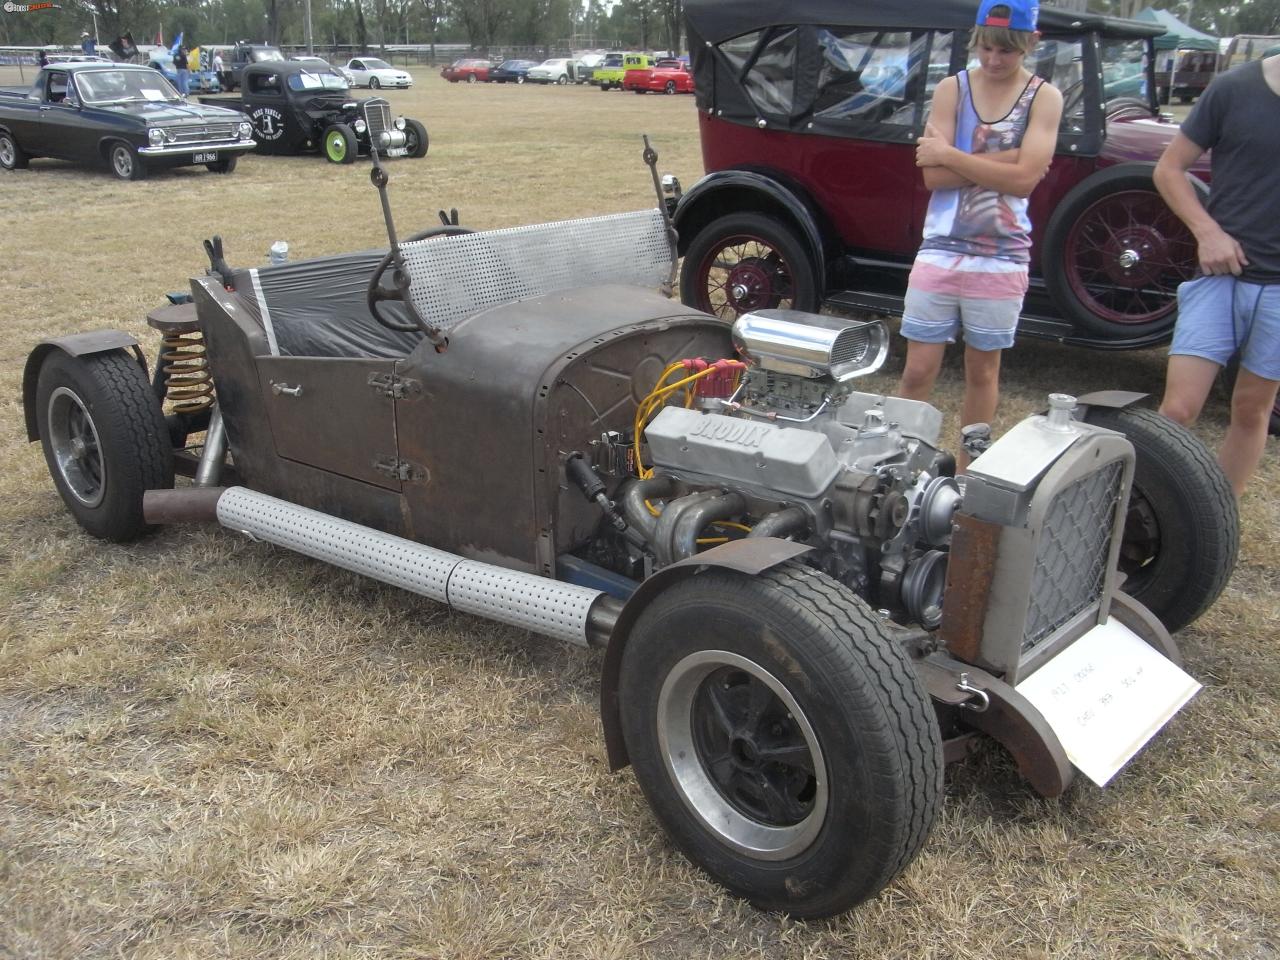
<point>210,747</point>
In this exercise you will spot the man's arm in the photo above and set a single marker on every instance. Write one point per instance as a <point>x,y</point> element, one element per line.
<point>1013,172</point>
<point>1219,252</point>
<point>942,126</point>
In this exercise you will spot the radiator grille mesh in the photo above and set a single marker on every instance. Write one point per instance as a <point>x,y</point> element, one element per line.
<point>1071,562</point>
<point>205,132</point>
<point>377,114</point>
<point>454,277</point>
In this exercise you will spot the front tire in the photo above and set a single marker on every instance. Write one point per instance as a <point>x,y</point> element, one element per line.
<point>340,144</point>
<point>747,261</point>
<point>104,440</point>
<point>781,736</point>
<point>225,165</point>
<point>12,156</point>
<point>125,162</point>
<point>375,83</point>
<point>1114,254</point>
<point>1182,529</point>
<point>415,138</point>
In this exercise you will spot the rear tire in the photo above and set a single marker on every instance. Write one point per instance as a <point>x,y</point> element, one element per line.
<point>1182,530</point>
<point>781,736</point>
<point>12,156</point>
<point>104,440</point>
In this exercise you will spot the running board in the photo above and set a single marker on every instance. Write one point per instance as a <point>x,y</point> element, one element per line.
<point>563,611</point>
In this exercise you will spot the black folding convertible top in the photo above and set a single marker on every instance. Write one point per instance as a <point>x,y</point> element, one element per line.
<point>718,20</point>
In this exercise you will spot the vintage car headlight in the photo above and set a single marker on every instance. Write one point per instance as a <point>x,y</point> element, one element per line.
<point>155,135</point>
<point>359,126</point>
<point>399,123</point>
<point>245,130</point>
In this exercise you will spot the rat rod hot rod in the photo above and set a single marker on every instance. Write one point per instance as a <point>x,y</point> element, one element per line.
<point>803,612</point>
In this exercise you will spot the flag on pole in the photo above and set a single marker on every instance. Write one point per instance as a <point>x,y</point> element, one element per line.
<point>177,42</point>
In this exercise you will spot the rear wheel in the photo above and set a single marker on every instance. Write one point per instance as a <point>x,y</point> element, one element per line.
<point>12,156</point>
<point>781,737</point>
<point>104,440</point>
<point>670,87</point>
<point>125,162</point>
<point>1182,529</point>
<point>471,78</point>
<point>1114,254</point>
<point>340,144</point>
<point>747,261</point>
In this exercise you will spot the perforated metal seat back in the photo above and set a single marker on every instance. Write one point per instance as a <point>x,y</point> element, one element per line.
<point>454,277</point>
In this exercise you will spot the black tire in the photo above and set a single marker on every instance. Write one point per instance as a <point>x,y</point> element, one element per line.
<point>415,138</point>
<point>722,670</point>
<point>104,440</point>
<point>1114,254</point>
<point>770,268</point>
<point>1182,530</point>
<point>375,83</point>
<point>562,80</point>
<point>124,161</point>
<point>224,165</point>
<point>340,144</point>
<point>12,156</point>
<point>471,78</point>
<point>1126,107</point>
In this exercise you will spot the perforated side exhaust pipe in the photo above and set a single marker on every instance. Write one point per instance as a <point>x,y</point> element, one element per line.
<point>563,611</point>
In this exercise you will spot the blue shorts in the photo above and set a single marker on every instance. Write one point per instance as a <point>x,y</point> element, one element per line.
<point>947,291</point>
<point>1220,316</point>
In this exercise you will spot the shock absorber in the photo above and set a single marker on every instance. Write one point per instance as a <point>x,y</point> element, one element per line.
<point>188,385</point>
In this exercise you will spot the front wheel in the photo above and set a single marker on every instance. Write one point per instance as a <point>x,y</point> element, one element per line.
<point>340,144</point>
<point>1182,528</point>
<point>1114,254</point>
<point>226,164</point>
<point>374,83</point>
<point>781,736</point>
<point>747,261</point>
<point>125,162</point>
<point>104,440</point>
<point>471,78</point>
<point>415,138</point>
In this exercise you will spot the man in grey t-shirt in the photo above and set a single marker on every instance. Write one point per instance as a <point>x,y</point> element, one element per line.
<point>1234,307</point>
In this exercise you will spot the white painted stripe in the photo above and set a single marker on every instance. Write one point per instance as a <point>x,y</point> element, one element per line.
<point>266,314</point>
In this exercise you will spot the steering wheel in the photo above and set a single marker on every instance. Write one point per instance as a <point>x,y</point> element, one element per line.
<point>398,288</point>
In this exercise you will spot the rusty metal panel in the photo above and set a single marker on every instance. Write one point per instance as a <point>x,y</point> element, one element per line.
<point>969,574</point>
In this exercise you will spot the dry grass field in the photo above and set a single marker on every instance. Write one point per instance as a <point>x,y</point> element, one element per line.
<point>215,748</point>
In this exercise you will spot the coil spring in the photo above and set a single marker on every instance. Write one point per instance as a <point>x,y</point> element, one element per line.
<point>188,385</point>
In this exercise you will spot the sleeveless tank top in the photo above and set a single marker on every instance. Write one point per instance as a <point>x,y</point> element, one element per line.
<point>974,220</point>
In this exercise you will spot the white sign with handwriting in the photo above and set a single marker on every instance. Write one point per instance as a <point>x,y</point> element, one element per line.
<point>1106,695</point>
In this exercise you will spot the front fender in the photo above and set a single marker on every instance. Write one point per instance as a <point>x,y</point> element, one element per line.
<point>74,345</point>
<point>741,191</point>
<point>750,557</point>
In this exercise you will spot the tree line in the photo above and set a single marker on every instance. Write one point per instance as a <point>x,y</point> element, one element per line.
<point>484,25</point>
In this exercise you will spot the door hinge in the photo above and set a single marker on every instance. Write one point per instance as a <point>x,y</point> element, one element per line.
<point>395,386</point>
<point>399,469</point>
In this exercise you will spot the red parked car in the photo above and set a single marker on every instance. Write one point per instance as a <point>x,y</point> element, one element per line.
<point>468,71</point>
<point>809,119</point>
<point>665,76</point>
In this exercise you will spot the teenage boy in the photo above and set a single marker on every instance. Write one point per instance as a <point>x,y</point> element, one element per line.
<point>988,142</point>
<point>1234,307</point>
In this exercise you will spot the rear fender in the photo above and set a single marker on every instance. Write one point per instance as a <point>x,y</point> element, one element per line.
<point>74,345</point>
<point>750,557</point>
<point>745,191</point>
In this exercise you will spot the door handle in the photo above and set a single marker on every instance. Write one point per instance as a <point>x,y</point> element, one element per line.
<point>279,388</point>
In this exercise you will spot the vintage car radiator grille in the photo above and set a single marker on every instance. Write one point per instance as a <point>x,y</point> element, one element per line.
<point>377,114</point>
<point>1075,544</point>
<point>204,132</point>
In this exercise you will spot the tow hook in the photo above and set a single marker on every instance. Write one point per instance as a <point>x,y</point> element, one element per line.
<point>979,702</point>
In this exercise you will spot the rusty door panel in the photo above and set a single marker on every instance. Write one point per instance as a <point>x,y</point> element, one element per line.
<point>324,413</point>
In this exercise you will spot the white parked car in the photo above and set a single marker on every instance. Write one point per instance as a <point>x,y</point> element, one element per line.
<point>345,73</point>
<point>374,73</point>
<point>553,71</point>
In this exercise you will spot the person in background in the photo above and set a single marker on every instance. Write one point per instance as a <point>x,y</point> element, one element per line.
<point>217,63</point>
<point>43,58</point>
<point>87,44</point>
<point>988,142</point>
<point>1233,308</point>
<point>180,65</point>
